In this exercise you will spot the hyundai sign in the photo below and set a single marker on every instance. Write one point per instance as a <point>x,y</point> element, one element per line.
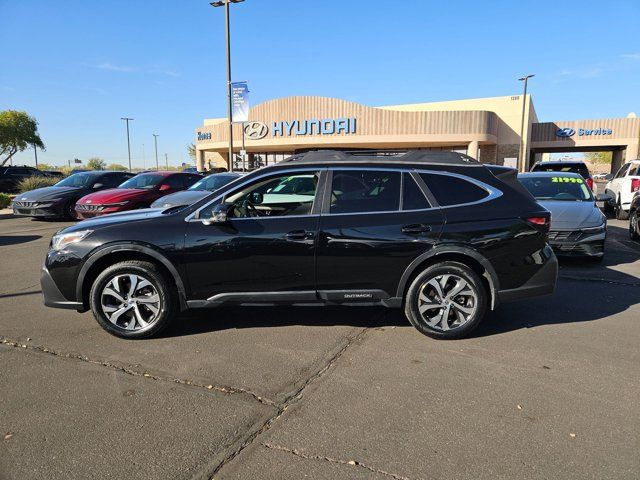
<point>582,132</point>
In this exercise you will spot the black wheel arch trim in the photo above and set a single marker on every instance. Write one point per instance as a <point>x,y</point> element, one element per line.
<point>131,247</point>
<point>490,275</point>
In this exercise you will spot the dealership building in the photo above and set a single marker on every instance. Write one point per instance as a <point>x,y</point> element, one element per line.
<point>488,129</point>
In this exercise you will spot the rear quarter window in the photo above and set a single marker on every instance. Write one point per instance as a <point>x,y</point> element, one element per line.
<point>450,190</point>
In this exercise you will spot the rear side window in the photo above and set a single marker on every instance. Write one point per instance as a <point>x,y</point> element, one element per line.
<point>362,191</point>
<point>450,190</point>
<point>412,196</point>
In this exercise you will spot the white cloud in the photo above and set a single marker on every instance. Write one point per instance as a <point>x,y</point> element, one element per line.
<point>115,68</point>
<point>631,56</point>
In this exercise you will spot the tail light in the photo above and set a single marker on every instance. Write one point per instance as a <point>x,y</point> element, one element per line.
<point>590,182</point>
<point>541,222</point>
<point>635,184</point>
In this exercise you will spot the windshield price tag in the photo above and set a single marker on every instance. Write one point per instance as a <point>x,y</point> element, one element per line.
<point>566,180</point>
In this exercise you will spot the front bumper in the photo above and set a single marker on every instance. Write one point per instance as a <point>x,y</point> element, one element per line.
<point>577,243</point>
<point>42,212</point>
<point>543,282</point>
<point>52,295</point>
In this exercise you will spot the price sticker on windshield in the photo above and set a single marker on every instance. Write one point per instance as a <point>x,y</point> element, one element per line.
<point>566,180</point>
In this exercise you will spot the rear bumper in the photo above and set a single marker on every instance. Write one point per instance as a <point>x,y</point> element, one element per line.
<point>52,295</point>
<point>542,283</point>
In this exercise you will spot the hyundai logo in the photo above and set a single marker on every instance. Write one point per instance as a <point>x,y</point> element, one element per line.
<point>565,132</point>
<point>256,130</point>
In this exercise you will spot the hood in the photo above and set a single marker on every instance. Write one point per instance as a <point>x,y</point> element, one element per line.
<point>186,197</point>
<point>115,218</point>
<point>573,215</point>
<point>113,195</point>
<point>46,193</point>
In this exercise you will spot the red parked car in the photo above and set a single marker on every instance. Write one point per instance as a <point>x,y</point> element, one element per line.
<point>137,192</point>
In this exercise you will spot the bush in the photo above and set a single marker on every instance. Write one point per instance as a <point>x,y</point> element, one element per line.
<point>5,200</point>
<point>31,183</point>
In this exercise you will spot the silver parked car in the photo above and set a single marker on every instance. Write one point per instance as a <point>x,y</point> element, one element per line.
<point>197,191</point>
<point>578,227</point>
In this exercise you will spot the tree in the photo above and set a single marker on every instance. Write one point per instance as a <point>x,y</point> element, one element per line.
<point>598,157</point>
<point>96,163</point>
<point>191,149</point>
<point>17,132</point>
<point>116,166</point>
<point>45,166</point>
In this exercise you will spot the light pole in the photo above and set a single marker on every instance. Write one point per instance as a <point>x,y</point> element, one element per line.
<point>225,4</point>
<point>127,119</point>
<point>166,160</point>
<point>155,139</point>
<point>521,159</point>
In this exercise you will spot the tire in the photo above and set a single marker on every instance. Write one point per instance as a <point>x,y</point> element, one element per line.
<point>473,298</point>
<point>70,212</point>
<point>634,225</point>
<point>620,213</point>
<point>152,309</point>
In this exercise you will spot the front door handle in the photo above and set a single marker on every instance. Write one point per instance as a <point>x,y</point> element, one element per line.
<point>299,235</point>
<point>416,228</point>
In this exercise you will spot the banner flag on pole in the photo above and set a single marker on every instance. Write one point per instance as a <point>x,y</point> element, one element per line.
<point>240,102</point>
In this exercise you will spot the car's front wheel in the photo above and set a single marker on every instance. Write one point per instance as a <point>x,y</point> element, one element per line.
<point>620,213</point>
<point>634,226</point>
<point>133,299</point>
<point>447,300</point>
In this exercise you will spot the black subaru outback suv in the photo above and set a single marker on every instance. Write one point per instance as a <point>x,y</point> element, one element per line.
<point>435,233</point>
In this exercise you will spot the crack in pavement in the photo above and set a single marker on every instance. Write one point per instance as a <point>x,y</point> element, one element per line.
<point>351,463</point>
<point>291,399</point>
<point>130,371</point>
<point>599,280</point>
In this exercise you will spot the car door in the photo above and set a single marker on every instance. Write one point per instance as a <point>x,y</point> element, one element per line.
<point>266,249</point>
<point>374,223</point>
<point>616,184</point>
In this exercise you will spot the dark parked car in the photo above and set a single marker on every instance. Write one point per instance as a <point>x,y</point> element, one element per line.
<point>435,233</point>
<point>197,191</point>
<point>572,166</point>
<point>10,177</point>
<point>60,199</point>
<point>137,192</point>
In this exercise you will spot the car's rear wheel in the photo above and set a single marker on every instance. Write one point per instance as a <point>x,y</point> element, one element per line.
<point>447,300</point>
<point>634,226</point>
<point>620,213</point>
<point>133,299</point>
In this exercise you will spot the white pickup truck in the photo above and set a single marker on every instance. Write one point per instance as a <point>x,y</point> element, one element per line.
<point>622,187</point>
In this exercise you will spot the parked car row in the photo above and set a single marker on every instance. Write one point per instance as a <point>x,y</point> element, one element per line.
<point>10,177</point>
<point>92,193</point>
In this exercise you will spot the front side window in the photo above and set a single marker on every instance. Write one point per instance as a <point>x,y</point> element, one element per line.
<point>144,181</point>
<point>623,171</point>
<point>365,191</point>
<point>450,190</point>
<point>278,196</point>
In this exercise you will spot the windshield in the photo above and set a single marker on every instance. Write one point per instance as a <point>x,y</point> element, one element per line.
<point>579,168</point>
<point>560,188</point>
<point>145,181</point>
<point>212,182</point>
<point>76,180</point>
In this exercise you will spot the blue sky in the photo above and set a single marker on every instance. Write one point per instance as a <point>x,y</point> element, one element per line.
<point>78,66</point>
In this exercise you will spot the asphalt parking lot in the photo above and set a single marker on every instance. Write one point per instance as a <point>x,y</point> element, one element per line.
<point>545,388</point>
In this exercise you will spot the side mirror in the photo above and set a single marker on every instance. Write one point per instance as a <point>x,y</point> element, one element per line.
<point>165,187</point>
<point>219,214</point>
<point>604,197</point>
<point>97,185</point>
<point>256,198</point>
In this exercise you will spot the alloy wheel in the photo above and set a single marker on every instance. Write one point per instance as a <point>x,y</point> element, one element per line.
<point>634,228</point>
<point>130,302</point>
<point>447,302</point>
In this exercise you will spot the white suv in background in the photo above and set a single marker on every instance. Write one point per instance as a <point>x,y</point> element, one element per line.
<point>622,187</point>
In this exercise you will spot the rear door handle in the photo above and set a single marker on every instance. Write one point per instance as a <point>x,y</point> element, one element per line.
<point>299,235</point>
<point>416,228</point>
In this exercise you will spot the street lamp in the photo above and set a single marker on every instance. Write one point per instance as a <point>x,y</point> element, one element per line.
<point>225,4</point>
<point>127,119</point>
<point>155,139</point>
<point>524,79</point>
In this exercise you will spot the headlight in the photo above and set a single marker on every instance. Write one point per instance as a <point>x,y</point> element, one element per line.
<point>594,230</point>
<point>61,240</point>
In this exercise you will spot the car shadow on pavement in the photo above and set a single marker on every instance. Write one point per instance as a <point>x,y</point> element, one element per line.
<point>6,240</point>
<point>194,322</point>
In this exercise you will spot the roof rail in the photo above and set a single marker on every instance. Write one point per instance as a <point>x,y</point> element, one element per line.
<point>411,156</point>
